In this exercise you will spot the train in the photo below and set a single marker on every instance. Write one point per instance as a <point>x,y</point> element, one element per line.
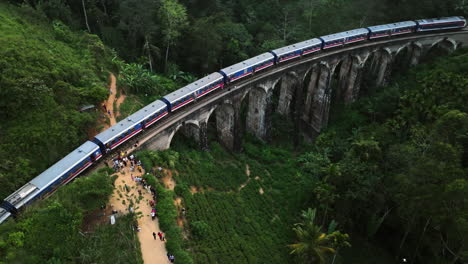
<point>90,152</point>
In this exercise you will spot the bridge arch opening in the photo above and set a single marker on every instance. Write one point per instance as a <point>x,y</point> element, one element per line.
<point>337,86</point>
<point>402,61</point>
<point>186,135</point>
<point>440,48</point>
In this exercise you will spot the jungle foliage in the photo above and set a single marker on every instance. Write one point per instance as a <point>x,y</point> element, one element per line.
<point>202,36</point>
<point>52,230</point>
<point>47,72</point>
<point>390,171</point>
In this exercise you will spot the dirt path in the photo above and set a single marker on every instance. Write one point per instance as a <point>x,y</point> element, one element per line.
<point>153,251</point>
<point>110,101</point>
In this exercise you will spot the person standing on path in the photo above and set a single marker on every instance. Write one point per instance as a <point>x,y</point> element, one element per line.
<point>154,235</point>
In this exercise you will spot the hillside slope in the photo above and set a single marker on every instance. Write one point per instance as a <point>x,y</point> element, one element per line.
<point>46,73</point>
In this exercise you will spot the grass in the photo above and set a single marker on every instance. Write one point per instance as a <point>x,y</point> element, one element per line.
<point>131,104</point>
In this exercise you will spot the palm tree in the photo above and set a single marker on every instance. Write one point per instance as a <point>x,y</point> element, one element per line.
<point>313,245</point>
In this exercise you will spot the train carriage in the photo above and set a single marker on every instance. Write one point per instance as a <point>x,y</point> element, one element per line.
<point>117,134</point>
<point>207,84</point>
<point>333,40</point>
<point>310,46</point>
<point>58,174</point>
<point>236,71</point>
<point>261,62</point>
<point>4,214</point>
<point>151,113</point>
<point>288,53</point>
<point>441,23</point>
<point>179,98</point>
<point>356,35</point>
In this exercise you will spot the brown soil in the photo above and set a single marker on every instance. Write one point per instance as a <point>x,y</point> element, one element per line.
<point>167,180</point>
<point>181,221</point>
<point>193,189</point>
<point>109,103</point>
<point>153,251</point>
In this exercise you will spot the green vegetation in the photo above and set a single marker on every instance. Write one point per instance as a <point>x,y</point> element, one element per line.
<point>390,171</point>
<point>203,36</point>
<point>53,231</point>
<point>46,73</point>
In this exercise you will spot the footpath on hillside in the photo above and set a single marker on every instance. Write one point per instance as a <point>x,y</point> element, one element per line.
<point>153,251</point>
<point>128,192</point>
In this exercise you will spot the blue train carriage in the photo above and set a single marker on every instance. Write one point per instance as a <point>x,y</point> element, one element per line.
<point>441,23</point>
<point>4,214</point>
<point>151,113</point>
<point>58,174</point>
<point>387,30</point>
<point>310,46</point>
<point>356,35</point>
<point>207,84</point>
<point>117,134</point>
<point>287,53</point>
<point>261,62</point>
<point>236,72</point>
<point>179,98</point>
<point>333,40</point>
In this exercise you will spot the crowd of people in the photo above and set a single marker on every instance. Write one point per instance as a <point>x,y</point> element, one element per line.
<point>127,163</point>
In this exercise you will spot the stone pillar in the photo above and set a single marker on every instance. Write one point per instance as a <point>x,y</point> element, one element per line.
<point>286,95</point>
<point>321,101</point>
<point>225,125</point>
<point>257,122</point>
<point>343,76</point>
<point>203,136</point>
<point>384,70</point>
<point>353,82</point>
<point>310,93</point>
<point>415,51</point>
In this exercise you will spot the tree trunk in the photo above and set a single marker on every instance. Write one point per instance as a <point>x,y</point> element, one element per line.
<point>85,15</point>
<point>334,256</point>
<point>403,240</point>
<point>150,59</point>
<point>167,57</point>
<point>420,238</point>
<point>285,25</point>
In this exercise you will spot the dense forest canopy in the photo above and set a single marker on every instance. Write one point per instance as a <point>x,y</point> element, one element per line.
<point>202,36</point>
<point>47,72</point>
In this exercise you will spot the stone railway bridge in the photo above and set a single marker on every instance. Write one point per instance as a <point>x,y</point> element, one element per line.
<point>302,90</point>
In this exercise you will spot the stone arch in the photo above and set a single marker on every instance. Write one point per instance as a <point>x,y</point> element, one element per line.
<point>376,69</point>
<point>441,47</point>
<point>190,129</point>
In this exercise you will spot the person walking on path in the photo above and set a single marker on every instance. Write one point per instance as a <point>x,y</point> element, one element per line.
<point>160,235</point>
<point>154,235</point>
<point>171,258</point>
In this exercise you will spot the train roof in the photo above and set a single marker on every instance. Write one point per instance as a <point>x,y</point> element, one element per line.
<point>116,130</point>
<point>148,110</point>
<point>176,95</point>
<point>4,214</point>
<point>334,36</point>
<point>207,80</point>
<point>308,43</point>
<point>349,33</point>
<point>58,169</point>
<point>247,63</point>
<point>440,20</point>
<point>287,49</point>
<point>393,25</point>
